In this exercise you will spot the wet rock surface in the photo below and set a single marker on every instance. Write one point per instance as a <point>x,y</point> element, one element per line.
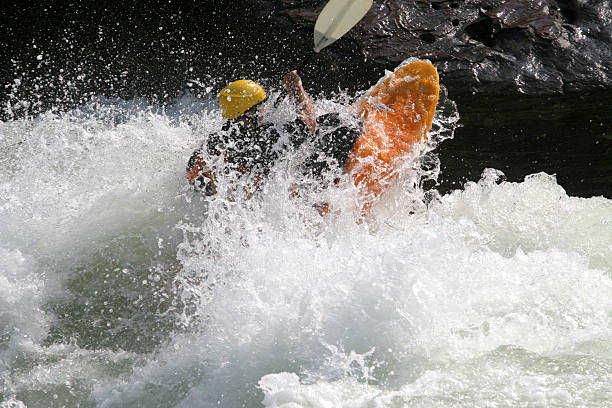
<point>532,79</point>
<point>493,47</point>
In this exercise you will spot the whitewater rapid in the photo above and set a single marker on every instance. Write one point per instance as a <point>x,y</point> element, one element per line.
<point>121,287</point>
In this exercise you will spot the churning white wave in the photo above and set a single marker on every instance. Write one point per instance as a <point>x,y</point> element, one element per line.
<point>120,286</point>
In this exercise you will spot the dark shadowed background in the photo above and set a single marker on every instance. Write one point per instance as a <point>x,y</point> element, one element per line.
<point>532,79</point>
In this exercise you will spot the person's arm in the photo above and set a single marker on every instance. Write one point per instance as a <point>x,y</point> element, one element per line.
<point>305,108</point>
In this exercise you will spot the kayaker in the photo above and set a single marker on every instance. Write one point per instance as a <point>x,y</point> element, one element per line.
<point>250,145</point>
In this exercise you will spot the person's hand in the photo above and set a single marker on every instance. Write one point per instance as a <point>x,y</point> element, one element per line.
<point>292,81</point>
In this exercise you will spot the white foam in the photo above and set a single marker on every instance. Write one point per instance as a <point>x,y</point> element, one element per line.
<point>494,294</point>
<point>22,293</point>
<point>346,307</point>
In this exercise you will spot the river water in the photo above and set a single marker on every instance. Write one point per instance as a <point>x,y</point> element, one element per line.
<point>122,287</point>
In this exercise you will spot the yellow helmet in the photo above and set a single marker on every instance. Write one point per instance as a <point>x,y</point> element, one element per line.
<point>240,96</point>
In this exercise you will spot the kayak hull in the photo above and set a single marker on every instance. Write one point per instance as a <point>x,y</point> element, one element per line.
<point>396,115</point>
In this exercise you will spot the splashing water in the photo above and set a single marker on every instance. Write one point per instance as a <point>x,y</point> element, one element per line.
<point>120,286</point>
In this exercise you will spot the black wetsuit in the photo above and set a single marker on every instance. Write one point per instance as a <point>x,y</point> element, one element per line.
<point>255,149</point>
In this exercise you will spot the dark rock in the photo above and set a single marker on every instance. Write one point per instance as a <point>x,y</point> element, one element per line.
<point>491,47</point>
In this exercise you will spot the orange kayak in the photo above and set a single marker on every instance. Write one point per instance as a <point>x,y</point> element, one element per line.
<point>396,115</point>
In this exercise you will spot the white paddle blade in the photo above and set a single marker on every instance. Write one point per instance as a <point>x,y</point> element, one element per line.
<point>337,17</point>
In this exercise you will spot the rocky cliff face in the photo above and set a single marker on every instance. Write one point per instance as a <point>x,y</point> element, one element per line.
<point>493,47</point>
